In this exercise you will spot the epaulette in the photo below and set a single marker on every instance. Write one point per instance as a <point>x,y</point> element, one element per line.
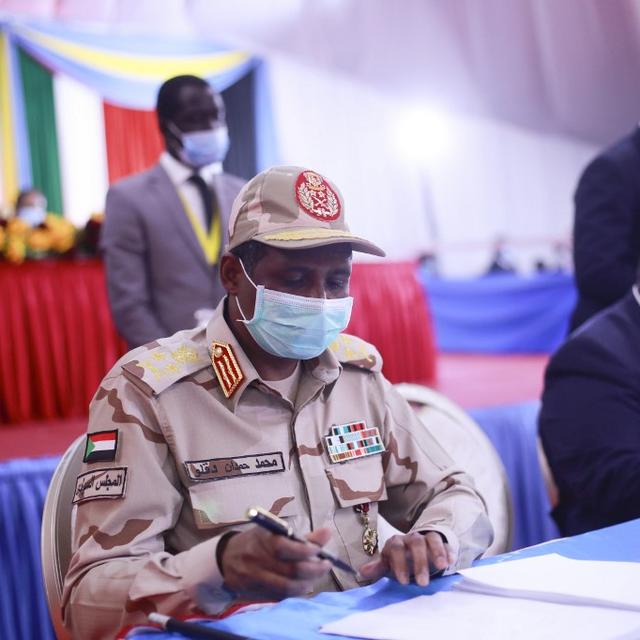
<point>164,362</point>
<point>356,353</point>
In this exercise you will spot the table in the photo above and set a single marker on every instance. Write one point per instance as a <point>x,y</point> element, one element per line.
<point>299,619</point>
<point>500,313</point>
<point>58,338</point>
<point>391,312</point>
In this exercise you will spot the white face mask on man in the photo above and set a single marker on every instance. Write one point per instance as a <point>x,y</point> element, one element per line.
<point>295,327</point>
<point>200,148</point>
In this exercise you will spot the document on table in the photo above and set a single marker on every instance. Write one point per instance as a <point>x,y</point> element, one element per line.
<point>539,589</point>
<point>555,578</point>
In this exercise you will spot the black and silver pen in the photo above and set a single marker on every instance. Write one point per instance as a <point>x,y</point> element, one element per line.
<point>280,527</point>
<point>192,629</point>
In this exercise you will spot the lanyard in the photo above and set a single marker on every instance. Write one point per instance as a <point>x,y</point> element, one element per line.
<point>209,242</point>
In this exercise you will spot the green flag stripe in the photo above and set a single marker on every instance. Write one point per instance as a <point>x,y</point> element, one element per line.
<point>39,107</point>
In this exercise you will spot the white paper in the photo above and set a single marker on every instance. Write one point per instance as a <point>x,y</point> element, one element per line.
<point>558,579</point>
<point>464,616</point>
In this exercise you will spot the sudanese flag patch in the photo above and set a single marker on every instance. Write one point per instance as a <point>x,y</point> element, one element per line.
<point>101,446</point>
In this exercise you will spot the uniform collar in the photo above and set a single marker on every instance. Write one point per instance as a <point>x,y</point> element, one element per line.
<point>325,369</point>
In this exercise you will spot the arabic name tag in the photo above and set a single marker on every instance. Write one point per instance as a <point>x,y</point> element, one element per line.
<point>352,440</point>
<point>101,483</point>
<point>222,468</point>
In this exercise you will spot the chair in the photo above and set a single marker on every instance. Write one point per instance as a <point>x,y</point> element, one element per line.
<point>55,534</point>
<point>470,448</point>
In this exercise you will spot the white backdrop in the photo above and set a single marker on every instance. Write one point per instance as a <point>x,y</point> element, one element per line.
<point>446,123</point>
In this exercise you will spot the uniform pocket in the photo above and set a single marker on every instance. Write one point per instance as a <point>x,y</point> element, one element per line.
<point>358,481</point>
<point>219,505</point>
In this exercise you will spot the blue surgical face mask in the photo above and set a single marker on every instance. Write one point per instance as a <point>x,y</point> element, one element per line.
<point>32,215</point>
<point>295,327</point>
<point>200,148</point>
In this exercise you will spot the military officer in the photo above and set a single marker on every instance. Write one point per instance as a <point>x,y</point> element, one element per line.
<point>269,405</point>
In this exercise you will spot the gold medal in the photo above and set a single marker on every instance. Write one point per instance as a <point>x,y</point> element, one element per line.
<point>369,540</point>
<point>369,535</point>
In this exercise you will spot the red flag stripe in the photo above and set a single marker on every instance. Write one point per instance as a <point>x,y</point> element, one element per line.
<point>99,437</point>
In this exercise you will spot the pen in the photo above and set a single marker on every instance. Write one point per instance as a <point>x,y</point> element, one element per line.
<point>280,527</point>
<point>191,629</point>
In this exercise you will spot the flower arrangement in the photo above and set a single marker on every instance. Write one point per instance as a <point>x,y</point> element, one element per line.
<point>54,237</point>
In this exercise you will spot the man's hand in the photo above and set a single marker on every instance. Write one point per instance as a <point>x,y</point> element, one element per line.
<point>257,562</point>
<point>413,553</point>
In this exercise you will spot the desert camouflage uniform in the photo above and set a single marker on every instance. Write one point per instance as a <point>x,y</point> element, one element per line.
<point>196,460</point>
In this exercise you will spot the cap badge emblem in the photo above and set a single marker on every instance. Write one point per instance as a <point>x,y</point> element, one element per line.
<point>316,198</point>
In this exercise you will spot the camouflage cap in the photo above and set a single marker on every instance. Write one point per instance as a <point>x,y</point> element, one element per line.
<point>292,208</point>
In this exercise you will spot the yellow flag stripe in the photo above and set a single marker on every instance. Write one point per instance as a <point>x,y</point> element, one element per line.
<point>139,66</point>
<point>9,169</point>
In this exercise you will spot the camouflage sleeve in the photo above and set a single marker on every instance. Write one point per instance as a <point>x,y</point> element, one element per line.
<point>128,497</point>
<point>425,491</point>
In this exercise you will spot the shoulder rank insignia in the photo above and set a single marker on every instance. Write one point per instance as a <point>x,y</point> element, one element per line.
<point>352,440</point>
<point>165,363</point>
<point>226,366</point>
<point>356,352</point>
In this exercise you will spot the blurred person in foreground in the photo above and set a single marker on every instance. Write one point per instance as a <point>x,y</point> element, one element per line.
<point>270,405</point>
<point>164,228</point>
<point>606,231</point>
<point>590,420</point>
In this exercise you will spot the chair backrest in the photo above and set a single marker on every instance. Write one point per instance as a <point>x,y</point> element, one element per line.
<point>55,534</point>
<point>470,448</point>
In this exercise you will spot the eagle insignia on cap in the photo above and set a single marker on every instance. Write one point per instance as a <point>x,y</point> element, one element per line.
<point>316,198</point>
<point>226,367</point>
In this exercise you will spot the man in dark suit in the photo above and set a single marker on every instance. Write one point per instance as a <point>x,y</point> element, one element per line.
<point>606,232</point>
<point>165,228</point>
<point>590,420</point>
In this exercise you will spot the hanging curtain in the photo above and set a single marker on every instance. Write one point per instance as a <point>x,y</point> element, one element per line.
<point>240,108</point>
<point>16,161</point>
<point>41,127</point>
<point>7,153</point>
<point>128,69</point>
<point>83,155</point>
<point>133,140</point>
<point>125,71</point>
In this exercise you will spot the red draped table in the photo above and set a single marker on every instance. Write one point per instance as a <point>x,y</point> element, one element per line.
<point>390,311</point>
<point>57,339</point>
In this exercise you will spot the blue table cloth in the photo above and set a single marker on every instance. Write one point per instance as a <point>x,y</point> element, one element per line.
<point>500,313</point>
<point>299,619</point>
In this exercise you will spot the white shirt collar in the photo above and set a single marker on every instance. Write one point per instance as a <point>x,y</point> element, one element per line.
<point>636,293</point>
<point>179,173</point>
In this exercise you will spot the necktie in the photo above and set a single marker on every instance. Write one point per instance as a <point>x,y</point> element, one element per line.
<point>207,195</point>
